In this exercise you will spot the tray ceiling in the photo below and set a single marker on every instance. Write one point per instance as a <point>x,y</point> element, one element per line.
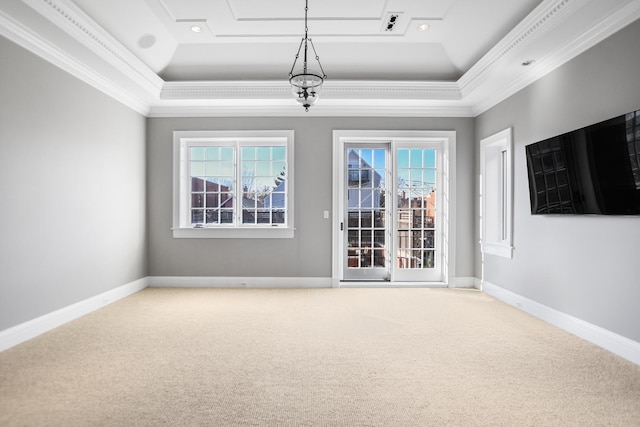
<point>145,53</point>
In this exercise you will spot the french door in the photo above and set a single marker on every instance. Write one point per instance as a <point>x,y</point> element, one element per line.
<point>392,211</point>
<point>367,233</point>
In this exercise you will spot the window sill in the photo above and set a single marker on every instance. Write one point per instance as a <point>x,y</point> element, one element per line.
<point>233,233</point>
<point>498,249</point>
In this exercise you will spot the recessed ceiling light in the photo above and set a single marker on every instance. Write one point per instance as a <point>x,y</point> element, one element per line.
<point>196,29</point>
<point>528,62</point>
<point>423,27</point>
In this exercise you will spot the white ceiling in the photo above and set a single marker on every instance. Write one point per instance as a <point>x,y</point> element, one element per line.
<point>144,53</point>
<point>257,39</point>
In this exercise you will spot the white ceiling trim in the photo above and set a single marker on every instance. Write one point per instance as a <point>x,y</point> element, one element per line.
<point>539,20</point>
<point>543,66</point>
<point>71,19</point>
<point>338,89</point>
<point>476,91</point>
<point>48,51</point>
<point>250,109</point>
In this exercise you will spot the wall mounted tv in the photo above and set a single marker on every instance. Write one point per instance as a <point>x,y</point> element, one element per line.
<point>593,170</point>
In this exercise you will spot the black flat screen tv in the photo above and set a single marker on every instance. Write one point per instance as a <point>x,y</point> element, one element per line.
<point>592,170</point>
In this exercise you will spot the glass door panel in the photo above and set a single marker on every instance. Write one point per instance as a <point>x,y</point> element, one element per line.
<point>416,213</point>
<point>366,226</point>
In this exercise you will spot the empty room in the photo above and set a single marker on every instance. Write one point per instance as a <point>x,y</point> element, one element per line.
<point>319,213</point>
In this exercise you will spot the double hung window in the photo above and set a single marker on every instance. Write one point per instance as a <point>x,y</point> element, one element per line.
<point>233,184</point>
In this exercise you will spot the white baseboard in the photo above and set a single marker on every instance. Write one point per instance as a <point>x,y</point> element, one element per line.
<point>238,282</point>
<point>290,282</point>
<point>31,329</point>
<point>617,344</point>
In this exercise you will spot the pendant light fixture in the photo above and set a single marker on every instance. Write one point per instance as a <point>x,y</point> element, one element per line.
<point>306,84</point>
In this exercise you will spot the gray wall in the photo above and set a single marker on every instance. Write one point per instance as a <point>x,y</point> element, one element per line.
<point>72,186</point>
<point>308,254</point>
<point>585,266</point>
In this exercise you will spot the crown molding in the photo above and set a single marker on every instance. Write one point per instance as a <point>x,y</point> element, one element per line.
<point>341,89</point>
<point>76,23</point>
<point>593,35</point>
<point>321,110</point>
<point>197,90</point>
<point>34,43</point>
<point>546,15</point>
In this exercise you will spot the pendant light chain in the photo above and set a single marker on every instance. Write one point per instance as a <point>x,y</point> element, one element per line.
<point>307,84</point>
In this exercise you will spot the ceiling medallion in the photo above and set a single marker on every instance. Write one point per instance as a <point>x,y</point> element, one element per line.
<point>306,84</point>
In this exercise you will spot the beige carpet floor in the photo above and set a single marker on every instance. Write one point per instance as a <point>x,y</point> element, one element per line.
<point>322,357</point>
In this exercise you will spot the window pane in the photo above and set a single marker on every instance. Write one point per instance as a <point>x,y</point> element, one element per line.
<point>379,198</point>
<point>366,178</point>
<point>197,153</point>
<point>429,239</point>
<point>416,158</point>
<point>403,158</point>
<point>279,168</point>
<point>249,200</point>
<point>416,177</point>
<point>366,219</point>
<point>353,219</point>
<point>278,217</point>
<point>403,178</point>
<point>366,158</point>
<point>366,199</point>
<point>248,169</point>
<point>263,217</point>
<point>403,200</point>
<point>248,153</point>
<point>263,168</point>
<point>277,200</point>
<point>213,200</point>
<point>197,216</point>
<point>429,178</point>
<point>416,239</point>
<point>379,238</point>
<point>197,169</point>
<point>264,153</point>
<point>212,168</point>
<point>226,153</point>
<point>379,159</point>
<point>428,260</point>
<point>197,184</point>
<point>279,153</point>
<point>248,216</point>
<point>378,219</point>
<point>354,241</point>
<point>212,153</point>
<point>211,216</point>
<point>226,169</point>
<point>429,158</point>
<point>197,200</point>
<point>226,216</point>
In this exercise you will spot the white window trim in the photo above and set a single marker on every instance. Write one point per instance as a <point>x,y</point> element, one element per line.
<point>497,149</point>
<point>181,177</point>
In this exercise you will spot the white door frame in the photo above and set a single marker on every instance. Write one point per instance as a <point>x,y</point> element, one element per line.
<point>448,139</point>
